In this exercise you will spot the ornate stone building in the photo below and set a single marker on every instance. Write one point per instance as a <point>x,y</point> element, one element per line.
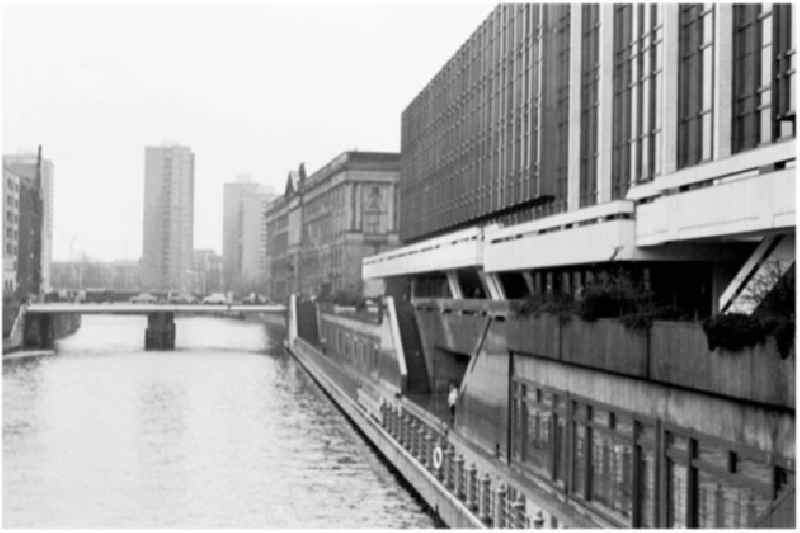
<point>324,224</point>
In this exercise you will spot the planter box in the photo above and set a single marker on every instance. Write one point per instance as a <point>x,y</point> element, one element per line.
<point>605,344</point>
<point>536,335</point>
<point>680,356</point>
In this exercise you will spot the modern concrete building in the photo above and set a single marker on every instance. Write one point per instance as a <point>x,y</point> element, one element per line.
<point>209,268</point>
<point>326,223</point>
<point>567,151</point>
<point>244,233</point>
<point>168,237</point>
<point>38,172</point>
<point>11,193</point>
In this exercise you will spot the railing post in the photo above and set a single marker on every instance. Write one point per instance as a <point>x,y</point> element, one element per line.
<point>423,450</point>
<point>429,450</point>
<point>440,472</point>
<point>448,465</point>
<point>472,488</point>
<point>403,423</point>
<point>500,507</point>
<point>460,493</point>
<point>486,499</point>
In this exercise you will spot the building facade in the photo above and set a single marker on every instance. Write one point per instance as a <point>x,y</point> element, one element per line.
<point>326,223</point>
<point>566,147</point>
<point>38,172</point>
<point>244,234</point>
<point>168,237</point>
<point>209,268</point>
<point>11,193</point>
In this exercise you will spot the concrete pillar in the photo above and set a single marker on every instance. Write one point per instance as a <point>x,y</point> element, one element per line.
<point>47,335</point>
<point>723,78</point>
<point>160,332</point>
<point>605,103</point>
<point>574,133</point>
<point>492,282</point>
<point>455,287</point>
<point>669,136</point>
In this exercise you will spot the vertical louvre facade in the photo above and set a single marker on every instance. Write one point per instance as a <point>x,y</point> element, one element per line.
<point>471,139</point>
<point>488,139</point>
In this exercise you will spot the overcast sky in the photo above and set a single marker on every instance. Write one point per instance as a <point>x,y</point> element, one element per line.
<point>251,88</point>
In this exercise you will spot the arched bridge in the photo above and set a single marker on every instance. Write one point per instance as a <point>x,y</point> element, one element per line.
<point>160,332</point>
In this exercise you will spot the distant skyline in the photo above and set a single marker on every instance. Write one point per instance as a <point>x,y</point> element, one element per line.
<point>251,88</point>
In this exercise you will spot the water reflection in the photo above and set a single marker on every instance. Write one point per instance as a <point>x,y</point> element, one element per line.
<point>106,435</point>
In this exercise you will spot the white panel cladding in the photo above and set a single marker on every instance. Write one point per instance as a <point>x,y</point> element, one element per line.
<point>610,240</point>
<point>734,206</point>
<point>456,250</point>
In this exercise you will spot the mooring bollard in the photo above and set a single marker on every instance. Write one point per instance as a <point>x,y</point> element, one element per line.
<point>500,507</point>
<point>472,488</point>
<point>486,500</point>
<point>518,513</point>
<point>460,492</point>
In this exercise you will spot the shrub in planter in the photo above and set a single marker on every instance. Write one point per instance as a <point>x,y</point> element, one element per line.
<point>734,331</point>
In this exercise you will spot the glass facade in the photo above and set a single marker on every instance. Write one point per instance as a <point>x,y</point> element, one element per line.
<point>590,67</point>
<point>763,76</point>
<point>695,84</point>
<point>612,461</point>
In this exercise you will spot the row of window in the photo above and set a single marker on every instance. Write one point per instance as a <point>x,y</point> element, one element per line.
<point>471,139</point>
<point>617,463</point>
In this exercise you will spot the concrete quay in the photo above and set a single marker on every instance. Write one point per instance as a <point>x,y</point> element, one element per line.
<point>449,509</point>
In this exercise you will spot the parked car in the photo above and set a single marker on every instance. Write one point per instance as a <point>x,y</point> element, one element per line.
<point>181,299</point>
<point>144,298</point>
<point>216,298</point>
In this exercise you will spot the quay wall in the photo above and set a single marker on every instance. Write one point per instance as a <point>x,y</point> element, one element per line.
<point>639,389</point>
<point>448,508</point>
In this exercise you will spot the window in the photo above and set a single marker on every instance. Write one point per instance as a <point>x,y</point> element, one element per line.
<point>763,78</point>
<point>616,468</point>
<point>637,87</point>
<point>590,66</point>
<point>555,103</point>
<point>695,83</point>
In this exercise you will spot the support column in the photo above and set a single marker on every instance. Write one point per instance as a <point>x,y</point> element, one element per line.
<point>455,287</point>
<point>574,132</point>
<point>47,332</point>
<point>669,136</point>
<point>605,103</point>
<point>723,77</point>
<point>160,332</point>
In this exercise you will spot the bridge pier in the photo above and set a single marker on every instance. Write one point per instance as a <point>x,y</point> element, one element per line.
<point>39,331</point>
<point>160,332</point>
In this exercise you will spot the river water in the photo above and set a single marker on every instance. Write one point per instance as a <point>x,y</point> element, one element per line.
<point>226,431</point>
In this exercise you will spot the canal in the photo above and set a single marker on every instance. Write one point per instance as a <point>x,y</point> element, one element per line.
<point>226,431</point>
